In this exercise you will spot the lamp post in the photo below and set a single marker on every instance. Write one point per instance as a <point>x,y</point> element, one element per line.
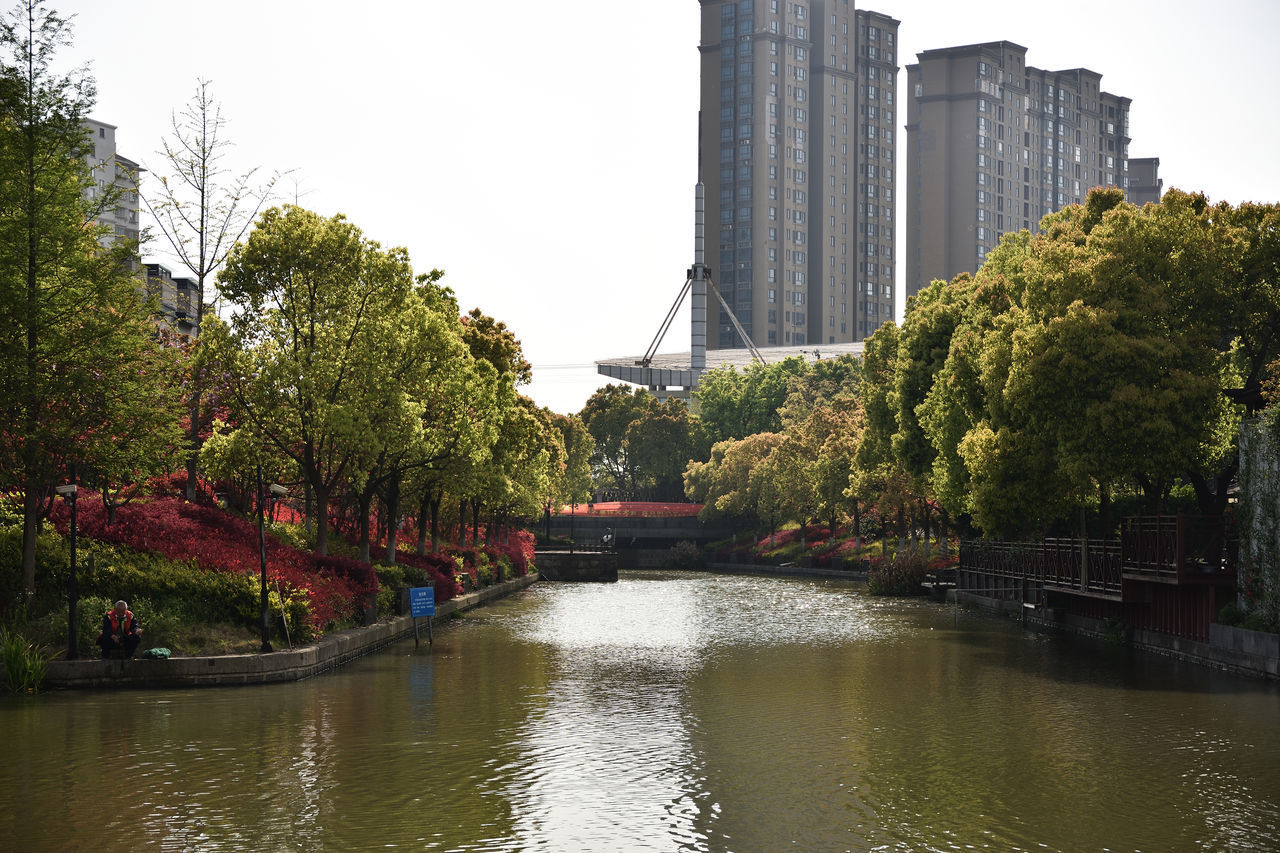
<point>68,492</point>
<point>262,561</point>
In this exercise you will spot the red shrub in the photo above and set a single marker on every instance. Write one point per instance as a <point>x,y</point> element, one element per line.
<point>438,568</point>
<point>217,541</point>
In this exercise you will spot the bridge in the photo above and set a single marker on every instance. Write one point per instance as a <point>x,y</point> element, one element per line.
<point>641,532</point>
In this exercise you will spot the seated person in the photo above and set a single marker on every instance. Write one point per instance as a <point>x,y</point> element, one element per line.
<point>120,630</point>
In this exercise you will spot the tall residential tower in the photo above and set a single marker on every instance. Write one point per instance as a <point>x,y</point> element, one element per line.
<point>994,144</point>
<point>797,148</point>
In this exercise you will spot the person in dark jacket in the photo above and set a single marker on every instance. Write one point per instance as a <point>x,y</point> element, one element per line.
<point>120,630</point>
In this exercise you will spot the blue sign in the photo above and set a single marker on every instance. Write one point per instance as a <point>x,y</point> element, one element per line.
<point>422,601</point>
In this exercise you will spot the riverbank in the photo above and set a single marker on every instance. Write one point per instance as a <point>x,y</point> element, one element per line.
<point>295,664</point>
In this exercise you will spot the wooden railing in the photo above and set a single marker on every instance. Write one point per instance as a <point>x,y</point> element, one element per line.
<point>1164,549</point>
<point>1055,563</point>
<point>1178,549</point>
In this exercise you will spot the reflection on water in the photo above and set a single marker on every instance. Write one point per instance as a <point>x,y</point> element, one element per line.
<point>669,713</point>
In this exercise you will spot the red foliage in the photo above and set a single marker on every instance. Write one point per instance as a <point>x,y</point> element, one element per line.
<point>643,509</point>
<point>437,566</point>
<point>813,536</point>
<point>217,541</point>
<point>174,485</point>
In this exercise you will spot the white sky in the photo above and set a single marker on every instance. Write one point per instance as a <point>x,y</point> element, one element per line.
<point>544,154</point>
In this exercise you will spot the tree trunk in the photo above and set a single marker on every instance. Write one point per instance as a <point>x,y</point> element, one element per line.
<point>1212,498</point>
<point>435,521</point>
<point>393,518</point>
<point>462,522</point>
<point>193,436</point>
<point>364,507</point>
<point>423,509</point>
<point>30,528</point>
<point>322,521</point>
<point>307,508</point>
<point>1151,493</point>
<point>475,522</point>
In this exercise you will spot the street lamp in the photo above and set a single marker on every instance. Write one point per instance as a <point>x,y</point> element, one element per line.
<point>262,565</point>
<point>68,493</point>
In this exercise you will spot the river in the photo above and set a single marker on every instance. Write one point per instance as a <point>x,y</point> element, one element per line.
<point>668,712</point>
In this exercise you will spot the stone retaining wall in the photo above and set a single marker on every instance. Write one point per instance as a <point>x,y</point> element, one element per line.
<point>296,664</point>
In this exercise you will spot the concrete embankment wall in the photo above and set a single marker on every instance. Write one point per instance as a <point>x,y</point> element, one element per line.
<point>1254,654</point>
<point>296,664</point>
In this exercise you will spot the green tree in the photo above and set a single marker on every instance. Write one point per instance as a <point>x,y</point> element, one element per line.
<point>466,415</point>
<point>574,486</point>
<point>492,341</point>
<point>724,483</point>
<point>607,415</point>
<point>735,405</point>
<point>660,443</point>
<point>422,363</point>
<point>75,353</point>
<point>826,381</point>
<point>305,359</point>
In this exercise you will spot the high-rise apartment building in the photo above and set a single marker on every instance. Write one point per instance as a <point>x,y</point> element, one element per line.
<point>797,154</point>
<point>112,170</point>
<point>994,144</point>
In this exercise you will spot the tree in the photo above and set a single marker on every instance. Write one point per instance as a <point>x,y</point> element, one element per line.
<point>465,416</point>
<point>492,341</point>
<point>202,211</point>
<point>72,325</point>
<point>660,443</point>
<point>420,360</point>
<point>1091,357</point>
<point>305,360</point>
<point>574,485</point>
<point>826,381</point>
<point>607,415</point>
<point>817,458</point>
<point>878,476</point>
<point>735,405</point>
<point>724,483</point>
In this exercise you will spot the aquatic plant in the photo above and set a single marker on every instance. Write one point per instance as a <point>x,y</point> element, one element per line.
<point>25,666</point>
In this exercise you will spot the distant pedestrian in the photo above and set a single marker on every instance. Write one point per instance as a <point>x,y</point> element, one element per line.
<point>120,630</point>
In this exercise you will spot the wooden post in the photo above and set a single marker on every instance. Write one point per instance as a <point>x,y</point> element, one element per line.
<point>1084,552</point>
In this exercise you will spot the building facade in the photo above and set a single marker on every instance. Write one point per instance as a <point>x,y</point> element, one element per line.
<point>797,155</point>
<point>112,170</point>
<point>174,297</point>
<point>1145,184</point>
<point>993,145</point>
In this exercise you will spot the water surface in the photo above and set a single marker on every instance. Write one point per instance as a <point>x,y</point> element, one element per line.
<point>669,713</point>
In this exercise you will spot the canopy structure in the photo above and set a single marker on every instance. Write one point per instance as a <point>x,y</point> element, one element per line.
<point>673,374</point>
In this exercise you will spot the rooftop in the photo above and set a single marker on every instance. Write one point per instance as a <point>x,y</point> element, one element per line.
<point>671,370</point>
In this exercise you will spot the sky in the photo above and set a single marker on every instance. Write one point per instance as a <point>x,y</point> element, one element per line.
<point>544,155</point>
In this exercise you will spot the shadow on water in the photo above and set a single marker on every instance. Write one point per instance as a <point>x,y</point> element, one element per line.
<point>1073,659</point>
